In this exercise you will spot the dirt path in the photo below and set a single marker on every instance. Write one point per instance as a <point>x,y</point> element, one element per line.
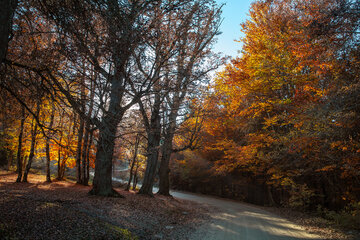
<point>234,220</point>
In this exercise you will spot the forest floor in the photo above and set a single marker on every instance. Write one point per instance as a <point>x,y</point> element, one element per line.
<point>65,210</point>
<point>329,230</point>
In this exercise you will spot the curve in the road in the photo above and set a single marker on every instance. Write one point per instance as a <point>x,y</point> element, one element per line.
<point>238,221</point>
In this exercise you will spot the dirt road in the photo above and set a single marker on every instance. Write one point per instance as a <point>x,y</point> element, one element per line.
<point>234,220</point>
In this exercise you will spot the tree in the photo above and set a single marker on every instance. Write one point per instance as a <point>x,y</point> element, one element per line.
<point>188,34</point>
<point>47,146</point>
<point>112,29</point>
<point>133,161</point>
<point>34,133</point>
<point>6,17</point>
<point>197,37</point>
<point>18,156</point>
<point>275,113</point>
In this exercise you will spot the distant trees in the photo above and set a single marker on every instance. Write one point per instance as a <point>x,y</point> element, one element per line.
<point>282,115</point>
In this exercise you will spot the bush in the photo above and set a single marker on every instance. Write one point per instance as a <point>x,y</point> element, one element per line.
<point>300,196</point>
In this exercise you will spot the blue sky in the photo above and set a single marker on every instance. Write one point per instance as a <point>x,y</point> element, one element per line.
<point>234,13</point>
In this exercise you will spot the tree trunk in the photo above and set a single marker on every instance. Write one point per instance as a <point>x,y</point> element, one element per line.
<point>47,146</point>
<point>102,184</point>
<point>33,143</point>
<point>88,136</point>
<point>7,9</point>
<point>10,162</point>
<point>63,166</point>
<point>131,175</point>
<point>271,199</point>
<point>84,153</point>
<point>135,178</point>
<point>164,182</point>
<point>18,156</point>
<point>154,136</point>
<point>59,163</point>
<point>80,167</point>
<point>78,151</point>
<point>48,159</point>
<point>87,176</point>
<point>32,151</point>
<point>137,141</point>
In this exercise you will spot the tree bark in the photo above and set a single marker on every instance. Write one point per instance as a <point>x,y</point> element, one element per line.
<point>87,144</point>
<point>18,156</point>
<point>32,151</point>
<point>7,10</point>
<point>154,136</point>
<point>47,146</point>
<point>33,143</point>
<point>86,176</point>
<point>80,167</point>
<point>84,153</point>
<point>102,184</point>
<point>78,151</point>
<point>137,141</point>
<point>59,177</point>
<point>135,179</point>
<point>271,199</point>
<point>164,170</point>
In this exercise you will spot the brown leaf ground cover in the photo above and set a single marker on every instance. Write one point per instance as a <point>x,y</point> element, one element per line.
<point>312,223</point>
<point>65,210</point>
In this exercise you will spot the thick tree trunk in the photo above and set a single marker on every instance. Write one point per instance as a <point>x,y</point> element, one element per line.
<point>102,184</point>
<point>154,136</point>
<point>32,151</point>
<point>7,9</point>
<point>18,156</point>
<point>61,167</point>
<point>164,170</point>
<point>164,182</point>
<point>47,146</point>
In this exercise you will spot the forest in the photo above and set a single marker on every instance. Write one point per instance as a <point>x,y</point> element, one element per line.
<point>282,120</point>
<point>90,87</point>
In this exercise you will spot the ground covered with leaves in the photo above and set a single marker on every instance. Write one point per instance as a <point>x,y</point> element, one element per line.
<point>312,223</point>
<point>65,210</point>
